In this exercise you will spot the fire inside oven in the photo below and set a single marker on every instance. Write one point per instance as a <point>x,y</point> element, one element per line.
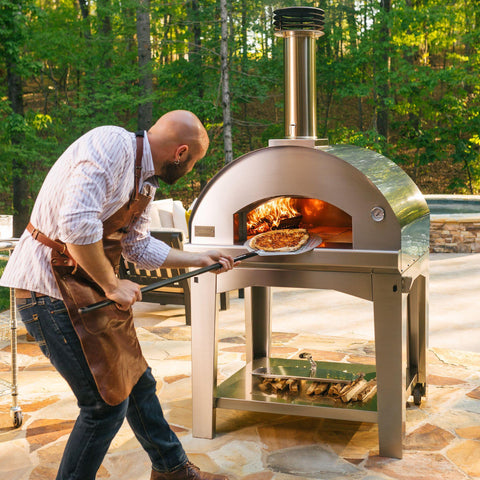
<point>329,222</point>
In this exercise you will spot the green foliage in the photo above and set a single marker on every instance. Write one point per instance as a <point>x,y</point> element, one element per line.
<point>80,72</point>
<point>4,292</point>
<point>369,139</point>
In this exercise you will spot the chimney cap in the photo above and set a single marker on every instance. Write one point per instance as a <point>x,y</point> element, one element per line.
<point>298,18</point>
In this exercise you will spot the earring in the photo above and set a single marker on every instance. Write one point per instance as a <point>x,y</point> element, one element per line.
<point>177,161</point>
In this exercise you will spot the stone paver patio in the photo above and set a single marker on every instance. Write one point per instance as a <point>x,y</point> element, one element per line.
<point>443,434</point>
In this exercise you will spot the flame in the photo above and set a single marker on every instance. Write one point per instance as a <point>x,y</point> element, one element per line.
<point>269,215</point>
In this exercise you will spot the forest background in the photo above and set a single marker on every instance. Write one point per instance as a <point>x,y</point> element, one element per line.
<point>400,77</point>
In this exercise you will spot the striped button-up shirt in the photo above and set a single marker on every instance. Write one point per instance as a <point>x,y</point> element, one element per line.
<point>91,181</point>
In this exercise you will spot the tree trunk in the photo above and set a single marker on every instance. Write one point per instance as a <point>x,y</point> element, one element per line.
<point>105,30</point>
<point>11,36</point>
<point>383,71</point>
<point>145,109</point>
<point>20,174</point>
<point>227,118</point>
<point>195,47</point>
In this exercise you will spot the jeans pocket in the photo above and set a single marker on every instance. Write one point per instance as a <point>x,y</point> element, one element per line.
<point>32,324</point>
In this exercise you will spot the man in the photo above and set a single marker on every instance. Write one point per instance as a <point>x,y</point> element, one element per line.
<point>90,208</point>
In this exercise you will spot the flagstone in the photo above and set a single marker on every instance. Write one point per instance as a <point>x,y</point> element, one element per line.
<point>452,420</point>
<point>312,461</point>
<point>235,339</point>
<point>458,357</point>
<point>42,472</point>
<point>175,378</point>
<point>472,433</point>
<point>144,335</point>
<point>238,458</point>
<point>127,465</point>
<point>236,349</point>
<point>204,462</point>
<point>282,352</point>
<point>283,337</point>
<point>266,475</point>
<point>28,349</point>
<point>361,359</point>
<point>36,405</point>
<point>43,367</point>
<point>466,455</point>
<point>447,420</point>
<point>172,333</point>
<point>325,355</point>
<point>19,473</point>
<point>428,437</point>
<point>439,380</point>
<point>416,466</point>
<point>42,432</point>
<point>475,394</point>
<point>14,455</point>
<point>283,435</point>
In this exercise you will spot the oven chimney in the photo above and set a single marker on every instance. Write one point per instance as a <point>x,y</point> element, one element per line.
<point>300,27</point>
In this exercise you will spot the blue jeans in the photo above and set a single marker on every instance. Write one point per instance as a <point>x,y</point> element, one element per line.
<point>47,320</point>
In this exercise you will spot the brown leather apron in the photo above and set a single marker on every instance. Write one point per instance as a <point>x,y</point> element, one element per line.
<point>107,335</point>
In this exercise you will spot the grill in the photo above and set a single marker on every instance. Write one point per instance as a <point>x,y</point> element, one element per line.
<point>374,223</point>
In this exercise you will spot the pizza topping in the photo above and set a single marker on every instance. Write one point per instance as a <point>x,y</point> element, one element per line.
<point>288,240</point>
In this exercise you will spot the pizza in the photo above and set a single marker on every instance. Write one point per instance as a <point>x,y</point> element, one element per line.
<point>288,240</point>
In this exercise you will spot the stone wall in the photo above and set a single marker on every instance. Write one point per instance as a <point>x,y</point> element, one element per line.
<point>454,236</point>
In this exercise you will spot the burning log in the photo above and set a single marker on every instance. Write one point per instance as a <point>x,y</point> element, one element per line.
<point>275,214</point>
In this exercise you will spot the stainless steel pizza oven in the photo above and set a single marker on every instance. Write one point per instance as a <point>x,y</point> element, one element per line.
<point>374,223</point>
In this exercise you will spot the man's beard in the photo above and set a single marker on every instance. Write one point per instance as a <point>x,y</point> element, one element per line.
<point>173,172</point>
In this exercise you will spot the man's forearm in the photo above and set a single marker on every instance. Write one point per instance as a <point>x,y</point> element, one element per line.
<point>182,258</point>
<point>92,259</point>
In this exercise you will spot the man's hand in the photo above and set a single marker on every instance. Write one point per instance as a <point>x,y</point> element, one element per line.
<point>92,259</point>
<point>213,256</point>
<point>125,294</point>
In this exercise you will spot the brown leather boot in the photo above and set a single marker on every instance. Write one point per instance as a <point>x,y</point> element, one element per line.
<point>188,472</point>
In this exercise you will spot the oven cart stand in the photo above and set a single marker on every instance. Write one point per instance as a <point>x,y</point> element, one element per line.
<point>400,307</point>
<point>8,330</point>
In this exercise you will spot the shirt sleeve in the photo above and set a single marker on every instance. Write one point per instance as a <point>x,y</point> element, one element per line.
<point>100,167</point>
<point>139,247</point>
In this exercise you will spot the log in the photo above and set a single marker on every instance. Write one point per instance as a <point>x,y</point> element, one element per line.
<point>321,388</point>
<point>334,390</point>
<point>368,392</point>
<point>353,390</point>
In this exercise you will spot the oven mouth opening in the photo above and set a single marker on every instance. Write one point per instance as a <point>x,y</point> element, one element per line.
<point>321,218</point>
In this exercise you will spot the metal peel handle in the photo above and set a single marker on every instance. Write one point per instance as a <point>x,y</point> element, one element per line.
<point>168,281</point>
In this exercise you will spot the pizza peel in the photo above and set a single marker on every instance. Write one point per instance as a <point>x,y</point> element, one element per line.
<point>312,242</point>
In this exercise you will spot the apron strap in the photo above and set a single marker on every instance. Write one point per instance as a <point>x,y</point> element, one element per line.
<point>42,238</point>
<point>138,164</point>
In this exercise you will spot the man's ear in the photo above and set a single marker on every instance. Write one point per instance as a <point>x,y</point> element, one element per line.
<point>181,149</point>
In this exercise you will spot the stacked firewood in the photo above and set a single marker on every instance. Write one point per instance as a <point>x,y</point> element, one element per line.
<point>280,385</point>
<point>359,390</point>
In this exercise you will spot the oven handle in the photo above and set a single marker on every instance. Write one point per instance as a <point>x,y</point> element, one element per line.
<point>168,281</point>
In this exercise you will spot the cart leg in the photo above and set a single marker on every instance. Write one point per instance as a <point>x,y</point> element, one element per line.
<point>258,322</point>
<point>417,336</point>
<point>204,354</point>
<point>390,348</point>
<point>15,411</point>
<point>423,328</point>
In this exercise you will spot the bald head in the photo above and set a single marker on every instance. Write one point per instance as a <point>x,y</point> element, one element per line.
<point>177,128</point>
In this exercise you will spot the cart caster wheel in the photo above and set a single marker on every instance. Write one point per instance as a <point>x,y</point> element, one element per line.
<point>417,395</point>
<point>17,419</point>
